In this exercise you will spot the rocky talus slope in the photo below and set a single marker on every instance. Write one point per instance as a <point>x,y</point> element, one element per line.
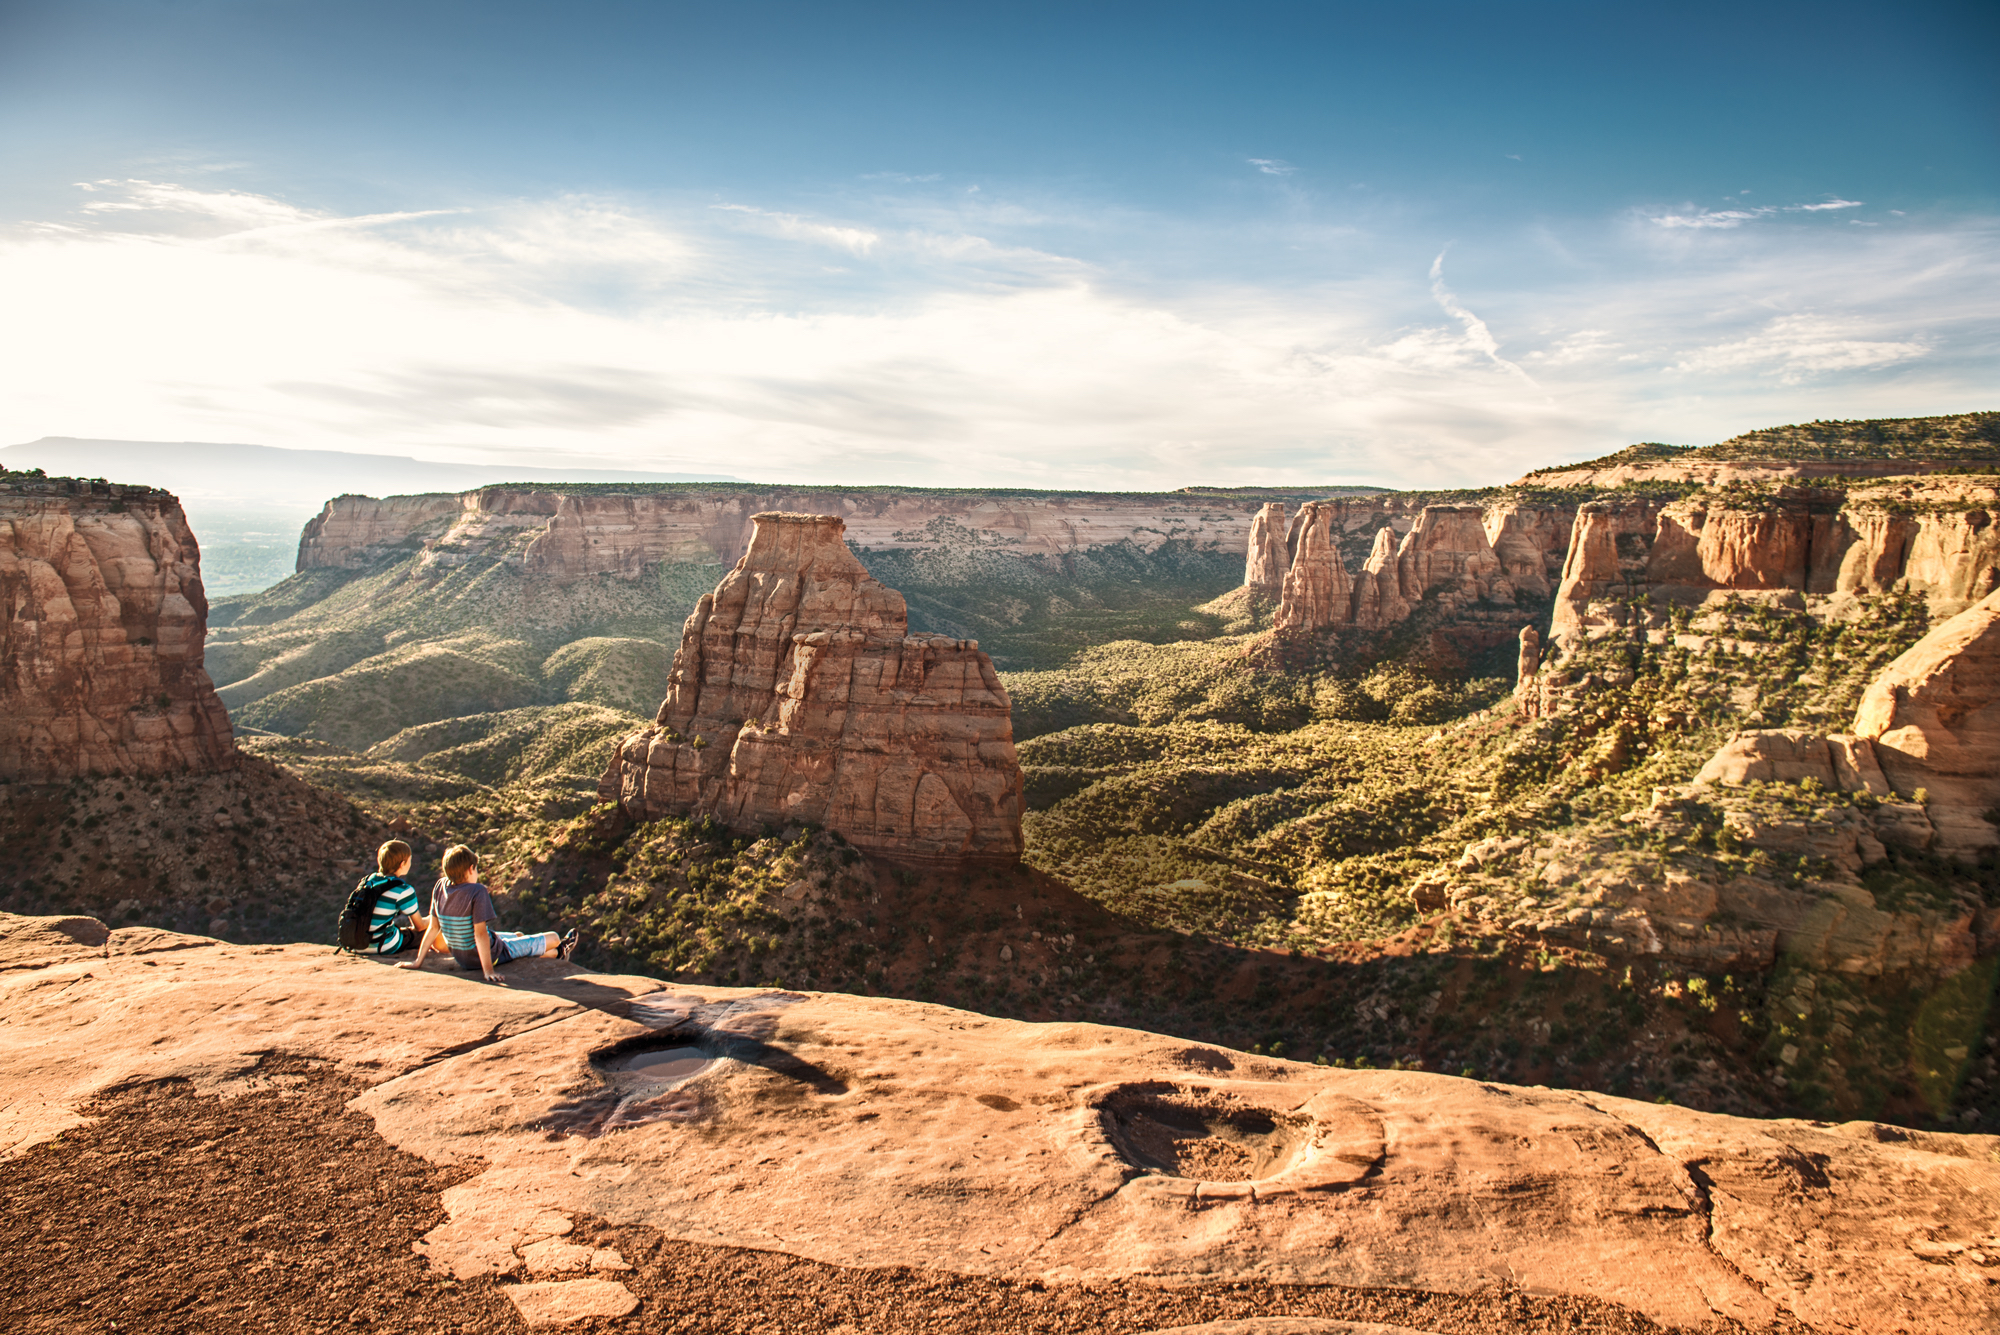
<point>102,619</point>
<point>879,1134</point>
<point>798,697</point>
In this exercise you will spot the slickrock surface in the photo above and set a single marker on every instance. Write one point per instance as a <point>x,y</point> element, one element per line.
<point>880,1134</point>
<point>798,697</point>
<point>102,617</point>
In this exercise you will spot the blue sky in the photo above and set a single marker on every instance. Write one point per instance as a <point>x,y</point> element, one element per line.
<point>1052,245</point>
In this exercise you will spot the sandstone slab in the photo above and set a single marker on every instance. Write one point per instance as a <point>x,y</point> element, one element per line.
<point>564,1302</point>
<point>885,1133</point>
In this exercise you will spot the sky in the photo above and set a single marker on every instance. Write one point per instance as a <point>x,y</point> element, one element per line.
<point>1046,245</point>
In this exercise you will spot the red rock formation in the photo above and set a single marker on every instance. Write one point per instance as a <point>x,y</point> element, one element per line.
<point>1526,666</point>
<point>1378,591</point>
<point>798,696</point>
<point>565,536</point>
<point>102,618</point>
<point>1268,560</point>
<point>1318,592</point>
<point>1447,551</point>
<point>1596,567</point>
<point>1934,718</point>
<point>1530,539</point>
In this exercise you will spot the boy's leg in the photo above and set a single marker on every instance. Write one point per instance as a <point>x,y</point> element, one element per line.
<point>523,945</point>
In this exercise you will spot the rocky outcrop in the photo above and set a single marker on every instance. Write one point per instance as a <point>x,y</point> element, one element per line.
<point>1317,590</point>
<point>1607,552</point>
<point>1933,717</point>
<point>798,697</point>
<point>563,535</point>
<point>878,1133</point>
<point>1446,551</point>
<point>1527,664</point>
<point>1268,560</point>
<point>1935,538</point>
<point>102,618</point>
<point>1530,540</point>
<point>1378,591</point>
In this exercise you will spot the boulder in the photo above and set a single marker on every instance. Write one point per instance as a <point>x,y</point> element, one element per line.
<point>798,696</point>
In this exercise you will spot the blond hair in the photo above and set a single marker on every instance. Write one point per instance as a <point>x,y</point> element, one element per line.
<point>459,861</point>
<point>391,856</point>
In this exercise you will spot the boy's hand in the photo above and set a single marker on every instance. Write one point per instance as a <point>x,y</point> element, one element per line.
<point>493,976</point>
<point>411,964</point>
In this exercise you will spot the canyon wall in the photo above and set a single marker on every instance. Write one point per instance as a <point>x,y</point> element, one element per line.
<point>1934,538</point>
<point>799,697</point>
<point>102,618</point>
<point>564,535</point>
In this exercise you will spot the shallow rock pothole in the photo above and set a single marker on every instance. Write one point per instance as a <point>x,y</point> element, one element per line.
<point>1204,1134</point>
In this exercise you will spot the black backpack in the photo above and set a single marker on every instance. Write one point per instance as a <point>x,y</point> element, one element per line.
<point>357,916</point>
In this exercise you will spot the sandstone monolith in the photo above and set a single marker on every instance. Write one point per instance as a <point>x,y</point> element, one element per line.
<point>1318,592</point>
<point>1265,566</point>
<point>798,696</point>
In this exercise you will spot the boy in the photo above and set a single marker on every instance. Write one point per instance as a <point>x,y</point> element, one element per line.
<point>462,908</point>
<point>395,898</point>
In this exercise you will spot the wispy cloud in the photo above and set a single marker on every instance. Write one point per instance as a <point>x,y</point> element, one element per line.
<point>1796,347</point>
<point>1723,218</point>
<point>1476,333</point>
<point>856,239</point>
<point>1273,166</point>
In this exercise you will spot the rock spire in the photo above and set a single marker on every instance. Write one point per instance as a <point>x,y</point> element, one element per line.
<point>798,696</point>
<point>1264,568</point>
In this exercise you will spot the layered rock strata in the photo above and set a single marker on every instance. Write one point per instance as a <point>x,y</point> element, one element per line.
<point>871,1132</point>
<point>799,697</point>
<point>102,618</point>
<point>1934,538</point>
<point>562,536</point>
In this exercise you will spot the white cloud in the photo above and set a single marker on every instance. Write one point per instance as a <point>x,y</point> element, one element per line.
<point>1726,218</point>
<point>1795,347</point>
<point>859,240</point>
<point>1273,166</point>
<point>975,346</point>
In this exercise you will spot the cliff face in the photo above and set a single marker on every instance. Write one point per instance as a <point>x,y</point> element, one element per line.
<point>1934,538</point>
<point>566,536</point>
<point>1265,564</point>
<point>798,696</point>
<point>102,618</point>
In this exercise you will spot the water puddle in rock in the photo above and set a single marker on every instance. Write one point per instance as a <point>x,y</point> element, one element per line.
<point>665,1063</point>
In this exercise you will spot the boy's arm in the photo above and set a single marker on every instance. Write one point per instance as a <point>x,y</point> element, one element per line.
<point>484,942</point>
<point>423,949</point>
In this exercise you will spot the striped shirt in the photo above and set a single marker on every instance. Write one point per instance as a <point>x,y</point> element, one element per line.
<point>457,908</point>
<point>394,897</point>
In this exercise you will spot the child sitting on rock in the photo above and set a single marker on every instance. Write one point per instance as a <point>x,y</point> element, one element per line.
<point>395,903</point>
<point>462,908</point>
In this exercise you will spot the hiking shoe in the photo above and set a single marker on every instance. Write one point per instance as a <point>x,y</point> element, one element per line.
<point>567,946</point>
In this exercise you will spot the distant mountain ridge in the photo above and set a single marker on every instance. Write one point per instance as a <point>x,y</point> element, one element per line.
<point>1877,447</point>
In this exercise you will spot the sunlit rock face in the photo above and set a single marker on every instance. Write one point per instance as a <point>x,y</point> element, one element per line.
<point>1267,561</point>
<point>799,697</point>
<point>1317,590</point>
<point>102,618</point>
